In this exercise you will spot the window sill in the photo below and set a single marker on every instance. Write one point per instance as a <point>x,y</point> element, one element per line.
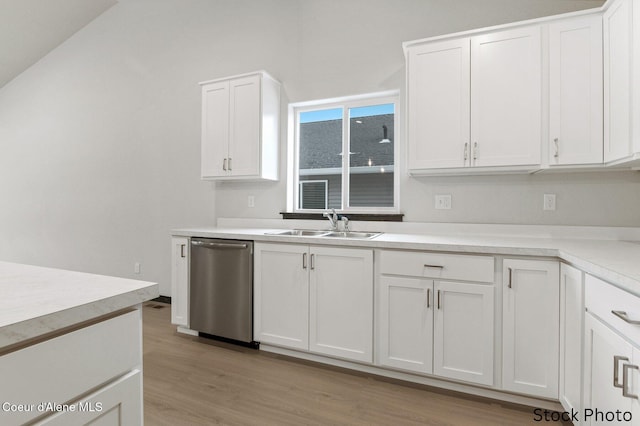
<point>395,217</point>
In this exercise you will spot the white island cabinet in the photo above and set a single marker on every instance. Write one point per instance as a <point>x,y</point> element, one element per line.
<point>70,347</point>
<point>315,298</point>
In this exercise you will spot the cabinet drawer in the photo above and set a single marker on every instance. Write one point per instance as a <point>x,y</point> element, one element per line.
<point>437,265</point>
<point>602,299</point>
<point>64,367</point>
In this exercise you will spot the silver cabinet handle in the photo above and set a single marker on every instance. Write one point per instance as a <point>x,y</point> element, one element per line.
<point>433,266</point>
<point>182,250</point>
<point>224,164</point>
<point>509,283</point>
<point>428,297</point>
<point>466,151</point>
<point>304,260</point>
<point>438,299</point>
<point>557,154</point>
<point>229,163</point>
<point>475,150</point>
<point>616,360</point>
<point>313,261</point>
<point>623,315</point>
<point>625,381</point>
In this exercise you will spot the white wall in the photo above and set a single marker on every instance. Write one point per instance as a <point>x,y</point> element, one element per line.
<point>100,139</point>
<point>355,47</point>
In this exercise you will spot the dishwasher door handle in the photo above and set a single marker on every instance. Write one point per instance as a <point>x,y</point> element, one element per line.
<point>218,245</point>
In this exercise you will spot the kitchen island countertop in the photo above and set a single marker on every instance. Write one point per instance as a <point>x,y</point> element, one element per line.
<point>37,301</point>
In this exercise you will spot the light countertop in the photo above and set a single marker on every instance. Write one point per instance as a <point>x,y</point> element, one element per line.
<point>617,262</point>
<point>36,300</point>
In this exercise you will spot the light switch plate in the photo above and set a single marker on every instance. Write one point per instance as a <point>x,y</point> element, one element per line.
<point>251,201</point>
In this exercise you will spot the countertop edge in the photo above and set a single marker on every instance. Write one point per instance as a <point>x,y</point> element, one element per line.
<point>15,333</point>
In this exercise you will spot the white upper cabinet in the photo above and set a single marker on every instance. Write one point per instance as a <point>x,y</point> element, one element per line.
<point>575,91</point>
<point>240,127</point>
<point>506,104</point>
<point>621,91</point>
<point>438,96</point>
<point>475,102</point>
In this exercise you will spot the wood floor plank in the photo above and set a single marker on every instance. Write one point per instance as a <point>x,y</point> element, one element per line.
<point>195,381</point>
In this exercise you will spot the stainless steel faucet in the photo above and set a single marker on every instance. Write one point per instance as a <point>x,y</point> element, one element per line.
<point>345,221</point>
<point>333,218</point>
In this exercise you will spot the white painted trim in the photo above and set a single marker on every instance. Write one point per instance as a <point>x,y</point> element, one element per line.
<point>188,331</point>
<point>511,25</point>
<point>261,73</point>
<point>345,102</point>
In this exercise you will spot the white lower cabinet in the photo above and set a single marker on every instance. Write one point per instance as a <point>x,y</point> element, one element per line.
<point>611,355</point>
<point>180,281</point>
<point>530,327</point>
<point>433,326</point>
<point>463,332</point>
<point>405,315</point>
<point>605,355</point>
<point>571,332</point>
<point>315,298</point>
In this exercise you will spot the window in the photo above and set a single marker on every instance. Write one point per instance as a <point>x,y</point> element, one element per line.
<point>344,154</point>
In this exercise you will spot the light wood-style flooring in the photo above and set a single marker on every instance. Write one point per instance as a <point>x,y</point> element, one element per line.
<point>195,381</point>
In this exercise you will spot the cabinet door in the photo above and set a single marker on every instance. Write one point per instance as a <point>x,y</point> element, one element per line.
<point>117,404</point>
<point>244,121</point>
<point>575,79</point>
<point>571,332</point>
<point>180,281</point>
<point>438,103</point>
<point>506,98</point>
<point>281,295</point>
<point>215,129</point>
<point>405,327</point>
<point>530,327</point>
<point>605,355</point>
<point>463,332</point>
<point>341,302</point>
<point>617,22</point>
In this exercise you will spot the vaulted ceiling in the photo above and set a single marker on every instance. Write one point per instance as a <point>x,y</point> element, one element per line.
<point>29,29</point>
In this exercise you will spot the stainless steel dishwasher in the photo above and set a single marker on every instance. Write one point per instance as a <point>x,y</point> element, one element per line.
<point>221,289</point>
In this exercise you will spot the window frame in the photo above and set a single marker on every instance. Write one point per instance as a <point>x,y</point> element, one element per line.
<point>346,102</point>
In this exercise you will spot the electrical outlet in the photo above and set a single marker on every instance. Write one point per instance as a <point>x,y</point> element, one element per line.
<point>443,202</point>
<point>549,202</point>
<point>251,201</point>
<point>136,267</point>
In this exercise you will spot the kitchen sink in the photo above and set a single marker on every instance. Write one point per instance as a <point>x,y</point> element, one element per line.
<point>352,234</point>
<point>300,233</point>
<point>330,234</point>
